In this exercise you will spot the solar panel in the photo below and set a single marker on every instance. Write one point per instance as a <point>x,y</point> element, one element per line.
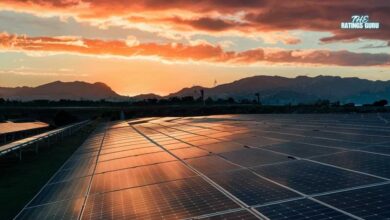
<point>172,200</point>
<point>86,151</point>
<point>310,178</point>
<point>190,152</point>
<point>204,141</point>
<point>333,143</point>
<point>383,149</point>
<point>68,174</point>
<point>84,155</point>
<point>282,136</point>
<point>62,191</point>
<point>360,161</point>
<point>133,161</point>
<point>254,157</point>
<point>301,150</point>
<point>64,210</point>
<point>139,176</point>
<point>193,137</point>
<point>76,163</point>
<point>258,141</point>
<point>301,209</point>
<point>367,203</point>
<point>176,146</point>
<point>167,141</point>
<point>211,164</point>
<point>221,147</point>
<point>239,215</point>
<point>135,179</point>
<point>129,144</point>
<point>125,147</point>
<point>128,153</point>
<point>250,188</point>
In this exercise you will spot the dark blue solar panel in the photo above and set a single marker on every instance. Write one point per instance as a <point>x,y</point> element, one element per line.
<point>309,177</point>
<point>301,150</point>
<point>254,157</point>
<point>301,209</point>
<point>365,162</point>
<point>211,164</point>
<point>383,149</point>
<point>64,210</point>
<point>221,147</point>
<point>250,188</point>
<point>240,215</point>
<point>367,203</point>
<point>333,143</point>
<point>62,191</point>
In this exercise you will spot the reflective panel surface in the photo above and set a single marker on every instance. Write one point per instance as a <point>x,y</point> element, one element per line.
<point>288,166</point>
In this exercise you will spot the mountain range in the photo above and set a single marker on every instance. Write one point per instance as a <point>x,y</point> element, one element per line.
<point>61,90</point>
<point>272,90</point>
<point>302,89</point>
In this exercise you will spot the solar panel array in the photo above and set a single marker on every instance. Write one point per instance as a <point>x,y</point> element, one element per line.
<point>11,127</point>
<point>225,167</point>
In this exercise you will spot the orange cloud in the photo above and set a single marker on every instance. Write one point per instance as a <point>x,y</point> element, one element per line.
<point>246,16</point>
<point>194,52</point>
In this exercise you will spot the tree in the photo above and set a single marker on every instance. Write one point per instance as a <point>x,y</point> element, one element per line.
<point>322,103</point>
<point>335,104</point>
<point>351,104</point>
<point>231,100</point>
<point>382,102</point>
<point>209,101</point>
<point>245,101</point>
<point>187,99</point>
<point>64,118</point>
<point>174,100</point>
<point>151,101</point>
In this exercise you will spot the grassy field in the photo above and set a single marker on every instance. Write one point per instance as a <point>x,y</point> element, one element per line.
<point>21,180</point>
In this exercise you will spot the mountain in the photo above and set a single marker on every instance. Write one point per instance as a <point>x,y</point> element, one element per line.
<point>62,90</point>
<point>146,96</point>
<point>302,89</point>
<point>273,90</point>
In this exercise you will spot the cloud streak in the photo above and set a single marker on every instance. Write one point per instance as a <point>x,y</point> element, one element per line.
<point>244,16</point>
<point>193,52</point>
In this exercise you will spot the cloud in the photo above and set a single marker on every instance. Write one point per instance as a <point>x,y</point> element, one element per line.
<point>131,41</point>
<point>244,16</point>
<point>207,23</point>
<point>375,46</point>
<point>198,51</point>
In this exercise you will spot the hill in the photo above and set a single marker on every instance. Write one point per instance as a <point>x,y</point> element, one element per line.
<point>61,90</point>
<point>273,90</point>
<point>302,89</point>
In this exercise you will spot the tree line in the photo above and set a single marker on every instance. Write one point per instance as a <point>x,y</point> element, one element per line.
<point>186,100</point>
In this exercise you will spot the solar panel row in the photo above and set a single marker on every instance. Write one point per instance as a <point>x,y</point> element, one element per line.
<point>230,167</point>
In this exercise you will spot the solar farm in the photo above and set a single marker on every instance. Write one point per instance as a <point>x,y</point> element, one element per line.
<point>292,166</point>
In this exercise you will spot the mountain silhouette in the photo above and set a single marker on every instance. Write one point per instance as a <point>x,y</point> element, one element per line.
<point>302,89</point>
<point>272,90</point>
<point>61,90</point>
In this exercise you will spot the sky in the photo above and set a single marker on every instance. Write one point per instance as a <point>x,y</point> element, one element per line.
<point>161,46</point>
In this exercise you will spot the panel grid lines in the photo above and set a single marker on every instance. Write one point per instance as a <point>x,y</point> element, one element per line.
<point>225,167</point>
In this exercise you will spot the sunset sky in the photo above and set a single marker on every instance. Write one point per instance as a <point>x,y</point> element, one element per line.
<point>161,46</point>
